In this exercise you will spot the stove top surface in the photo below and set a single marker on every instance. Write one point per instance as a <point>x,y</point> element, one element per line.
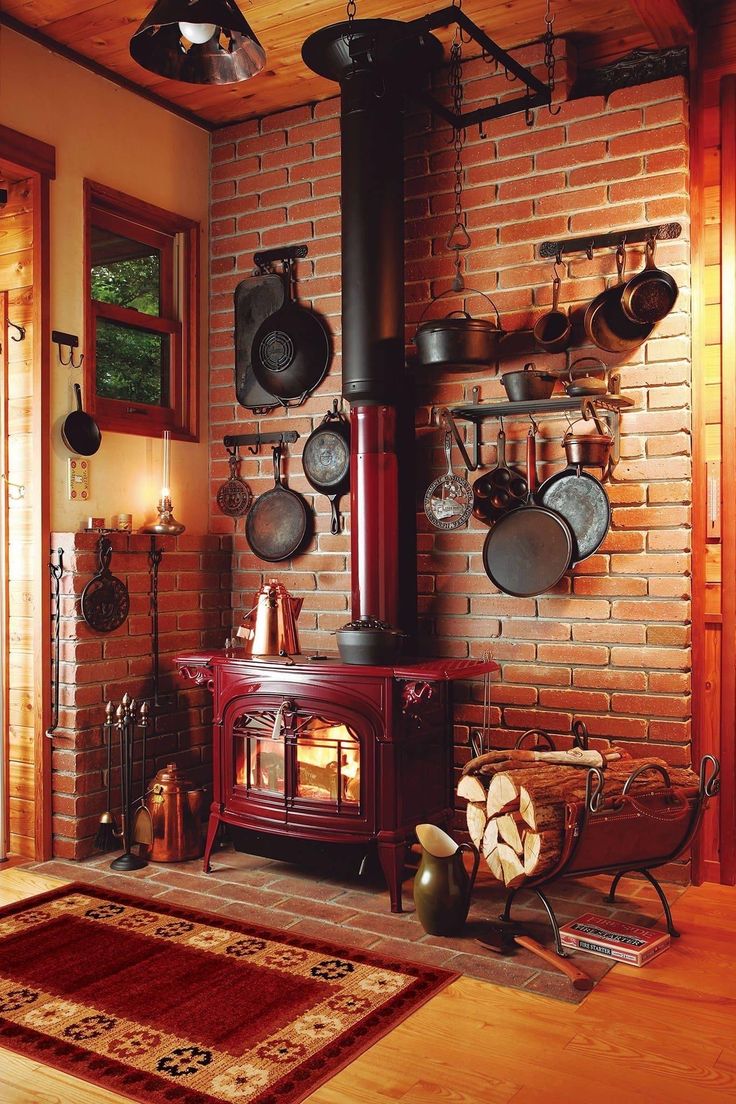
<point>432,670</point>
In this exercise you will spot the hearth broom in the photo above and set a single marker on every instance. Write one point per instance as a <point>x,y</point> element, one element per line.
<point>107,832</point>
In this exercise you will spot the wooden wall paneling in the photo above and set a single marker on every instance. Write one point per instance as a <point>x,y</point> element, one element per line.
<point>699,489</point>
<point>728,500</point>
<point>710,744</point>
<point>5,750</point>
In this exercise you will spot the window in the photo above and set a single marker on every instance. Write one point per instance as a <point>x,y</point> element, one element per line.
<point>142,305</point>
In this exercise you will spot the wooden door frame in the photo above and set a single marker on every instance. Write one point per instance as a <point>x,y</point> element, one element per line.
<point>37,161</point>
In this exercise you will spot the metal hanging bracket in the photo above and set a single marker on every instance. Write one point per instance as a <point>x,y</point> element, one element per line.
<point>667,231</point>
<point>447,420</point>
<point>21,331</point>
<point>257,439</point>
<point>67,341</point>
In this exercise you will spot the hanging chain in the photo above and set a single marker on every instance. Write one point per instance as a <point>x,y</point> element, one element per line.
<point>458,238</point>
<point>351,9</point>
<point>549,57</point>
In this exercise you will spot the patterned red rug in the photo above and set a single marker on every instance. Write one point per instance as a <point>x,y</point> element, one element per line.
<point>160,1003</point>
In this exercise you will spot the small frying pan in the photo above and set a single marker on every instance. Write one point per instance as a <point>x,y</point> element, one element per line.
<point>581,500</point>
<point>277,523</point>
<point>291,348</point>
<point>80,432</point>
<point>650,295</point>
<point>605,323</point>
<point>326,460</point>
<point>500,490</point>
<point>528,550</point>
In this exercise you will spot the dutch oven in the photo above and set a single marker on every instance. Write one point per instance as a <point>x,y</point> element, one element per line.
<point>458,340</point>
<point>529,383</point>
<point>368,641</point>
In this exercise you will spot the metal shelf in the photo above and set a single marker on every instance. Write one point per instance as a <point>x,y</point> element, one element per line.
<point>608,406</point>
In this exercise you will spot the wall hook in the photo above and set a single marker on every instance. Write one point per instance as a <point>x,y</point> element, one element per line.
<point>21,331</point>
<point>70,342</point>
<point>254,449</point>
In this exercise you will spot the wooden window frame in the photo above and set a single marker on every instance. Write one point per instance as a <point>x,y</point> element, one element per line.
<point>178,318</point>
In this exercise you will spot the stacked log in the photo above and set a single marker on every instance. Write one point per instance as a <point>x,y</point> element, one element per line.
<point>516,809</point>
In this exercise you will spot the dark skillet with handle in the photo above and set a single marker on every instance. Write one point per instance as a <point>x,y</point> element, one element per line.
<point>326,460</point>
<point>291,348</point>
<point>579,498</point>
<point>649,296</point>
<point>500,490</point>
<point>605,323</point>
<point>277,523</point>
<point>80,432</point>
<point>529,550</point>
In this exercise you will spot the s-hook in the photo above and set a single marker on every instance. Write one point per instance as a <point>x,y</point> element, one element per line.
<point>57,570</point>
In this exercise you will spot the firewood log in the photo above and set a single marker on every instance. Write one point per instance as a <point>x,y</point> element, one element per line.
<point>490,838</point>
<point>541,852</point>
<point>471,788</point>
<point>503,792</point>
<point>494,863</point>
<point>572,757</point>
<point>476,818</point>
<point>512,867</point>
<point>508,831</point>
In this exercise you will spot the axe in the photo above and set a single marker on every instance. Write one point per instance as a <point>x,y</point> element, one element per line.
<point>502,936</point>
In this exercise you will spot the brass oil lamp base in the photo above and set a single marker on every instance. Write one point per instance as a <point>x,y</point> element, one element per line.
<point>165,524</point>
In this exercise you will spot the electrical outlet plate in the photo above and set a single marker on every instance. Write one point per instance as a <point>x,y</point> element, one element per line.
<point>78,479</point>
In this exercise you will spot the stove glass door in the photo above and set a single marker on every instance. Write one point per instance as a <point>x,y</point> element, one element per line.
<point>327,762</point>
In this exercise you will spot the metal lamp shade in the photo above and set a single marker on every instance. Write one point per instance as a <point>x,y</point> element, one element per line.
<point>232,54</point>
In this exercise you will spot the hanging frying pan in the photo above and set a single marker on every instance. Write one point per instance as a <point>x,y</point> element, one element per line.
<point>326,460</point>
<point>605,323</point>
<point>529,550</point>
<point>277,522</point>
<point>500,490</point>
<point>291,349</point>
<point>579,498</point>
<point>651,294</point>
<point>80,432</point>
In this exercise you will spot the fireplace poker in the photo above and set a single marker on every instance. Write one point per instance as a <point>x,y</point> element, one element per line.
<point>125,723</point>
<point>107,831</point>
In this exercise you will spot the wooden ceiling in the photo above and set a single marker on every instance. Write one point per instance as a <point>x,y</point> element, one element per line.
<point>97,32</point>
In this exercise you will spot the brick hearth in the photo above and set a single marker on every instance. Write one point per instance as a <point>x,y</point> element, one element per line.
<point>355,912</point>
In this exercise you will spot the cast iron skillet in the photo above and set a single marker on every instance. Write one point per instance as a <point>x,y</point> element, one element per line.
<point>605,323</point>
<point>326,460</point>
<point>80,432</point>
<point>650,295</point>
<point>529,550</point>
<point>581,500</point>
<point>278,521</point>
<point>291,348</point>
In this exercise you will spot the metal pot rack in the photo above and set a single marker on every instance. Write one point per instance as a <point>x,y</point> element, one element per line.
<point>606,406</point>
<point>666,231</point>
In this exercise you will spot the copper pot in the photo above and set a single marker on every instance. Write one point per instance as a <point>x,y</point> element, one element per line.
<point>176,806</point>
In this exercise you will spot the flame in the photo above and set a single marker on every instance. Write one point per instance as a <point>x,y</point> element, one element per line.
<point>317,748</point>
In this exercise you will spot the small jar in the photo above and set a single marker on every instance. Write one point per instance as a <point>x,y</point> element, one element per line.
<point>124,522</point>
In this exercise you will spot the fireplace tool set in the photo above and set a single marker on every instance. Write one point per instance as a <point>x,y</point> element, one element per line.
<point>129,719</point>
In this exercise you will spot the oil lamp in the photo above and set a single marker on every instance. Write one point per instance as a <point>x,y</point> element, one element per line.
<point>165,523</point>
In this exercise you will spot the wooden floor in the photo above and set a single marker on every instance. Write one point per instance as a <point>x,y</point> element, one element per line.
<point>666,1033</point>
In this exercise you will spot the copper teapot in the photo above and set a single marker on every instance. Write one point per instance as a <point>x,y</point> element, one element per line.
<point>176,806</point>
<point>269,629</point>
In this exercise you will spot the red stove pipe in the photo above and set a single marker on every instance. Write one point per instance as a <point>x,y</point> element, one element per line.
<point>374,506</point>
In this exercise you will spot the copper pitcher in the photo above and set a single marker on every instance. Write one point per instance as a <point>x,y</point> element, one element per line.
<point>176,806</point>
<point>270,627</point>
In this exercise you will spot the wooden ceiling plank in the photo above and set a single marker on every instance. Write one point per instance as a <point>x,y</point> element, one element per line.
<point>670,22</point>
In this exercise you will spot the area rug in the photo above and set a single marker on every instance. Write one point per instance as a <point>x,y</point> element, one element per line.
<point>163,1004</point>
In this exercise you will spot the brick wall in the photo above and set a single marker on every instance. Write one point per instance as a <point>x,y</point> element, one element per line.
<point>194,612</point>
<point>611,642</point>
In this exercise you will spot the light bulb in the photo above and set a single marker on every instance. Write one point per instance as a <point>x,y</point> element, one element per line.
<point>197,33</point>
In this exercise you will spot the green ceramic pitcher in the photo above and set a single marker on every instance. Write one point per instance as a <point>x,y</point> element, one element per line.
<point>442,885</point>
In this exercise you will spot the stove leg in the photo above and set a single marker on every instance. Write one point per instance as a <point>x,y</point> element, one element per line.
<point>212,826</point>
<point>391,858</point>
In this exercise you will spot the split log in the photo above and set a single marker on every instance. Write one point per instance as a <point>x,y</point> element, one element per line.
<point>512,867</point>
<point>490,838</point>
<point>541,852</point>
<point>471,788</point>
<point>494,863</point>
<point>503,792</point>
<point>476,818</point>
<point>572,757</point>
<point>508,831</point>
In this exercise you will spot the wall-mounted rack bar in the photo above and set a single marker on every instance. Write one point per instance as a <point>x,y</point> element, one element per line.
<point>286,438</point>
<point>284,253</point>
<point>67,341</point>
<point>606,406</point>
<point>666,231</point>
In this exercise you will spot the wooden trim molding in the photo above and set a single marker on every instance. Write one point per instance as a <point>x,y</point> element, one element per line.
<point>670,22</point>
<point>728,461</point>
<point>28,153</point>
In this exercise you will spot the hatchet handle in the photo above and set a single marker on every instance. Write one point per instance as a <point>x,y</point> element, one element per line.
<point>576,976</point>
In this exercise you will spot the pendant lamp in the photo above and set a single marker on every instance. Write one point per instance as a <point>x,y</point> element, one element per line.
<point>198,41</point>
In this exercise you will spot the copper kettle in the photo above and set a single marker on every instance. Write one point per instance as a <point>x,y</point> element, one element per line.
<point>176,807</point>
<point>269,629</point>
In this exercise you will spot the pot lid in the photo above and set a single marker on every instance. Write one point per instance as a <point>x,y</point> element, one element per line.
<point>173,779</point>
<point>466,324</point>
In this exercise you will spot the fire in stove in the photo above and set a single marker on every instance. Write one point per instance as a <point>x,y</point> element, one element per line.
<point>326,756</point>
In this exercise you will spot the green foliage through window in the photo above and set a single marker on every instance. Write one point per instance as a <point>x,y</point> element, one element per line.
<point>131,364</point>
